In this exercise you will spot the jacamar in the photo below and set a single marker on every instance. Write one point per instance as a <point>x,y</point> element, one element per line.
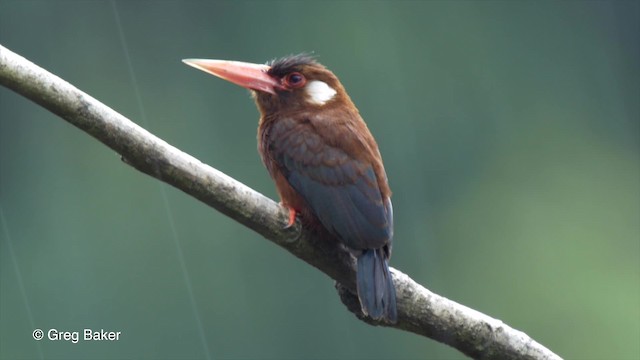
<point>325,163</point>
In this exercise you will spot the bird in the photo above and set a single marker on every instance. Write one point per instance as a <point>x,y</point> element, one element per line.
<point>325,163</point>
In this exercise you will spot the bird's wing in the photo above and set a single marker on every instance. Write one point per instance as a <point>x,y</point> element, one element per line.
<point>342,191</point>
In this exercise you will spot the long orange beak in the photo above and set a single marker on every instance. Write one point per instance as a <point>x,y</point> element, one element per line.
<point>248,75</point>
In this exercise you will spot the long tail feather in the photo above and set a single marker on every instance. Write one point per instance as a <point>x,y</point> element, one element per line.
<point>375,286</point>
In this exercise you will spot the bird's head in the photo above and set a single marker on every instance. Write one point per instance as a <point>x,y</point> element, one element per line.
<point>291,83</point>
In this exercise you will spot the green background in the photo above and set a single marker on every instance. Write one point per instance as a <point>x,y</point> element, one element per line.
<point>509,130</point>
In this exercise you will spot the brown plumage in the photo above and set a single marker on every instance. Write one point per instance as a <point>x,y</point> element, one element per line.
<point>325,163</point>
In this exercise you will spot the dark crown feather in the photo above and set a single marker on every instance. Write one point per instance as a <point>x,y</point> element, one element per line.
<point>287,64</point>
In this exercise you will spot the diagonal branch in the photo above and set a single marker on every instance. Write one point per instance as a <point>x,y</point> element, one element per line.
<point>419,310</point>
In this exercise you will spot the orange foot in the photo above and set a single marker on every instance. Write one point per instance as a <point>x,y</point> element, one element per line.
<point>292,216</point>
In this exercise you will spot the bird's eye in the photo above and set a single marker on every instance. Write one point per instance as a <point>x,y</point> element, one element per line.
<point>295,80</point>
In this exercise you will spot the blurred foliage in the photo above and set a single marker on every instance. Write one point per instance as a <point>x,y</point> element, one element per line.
<point>510,133</point>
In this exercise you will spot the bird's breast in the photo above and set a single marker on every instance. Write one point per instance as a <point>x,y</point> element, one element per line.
<point>288,195</point>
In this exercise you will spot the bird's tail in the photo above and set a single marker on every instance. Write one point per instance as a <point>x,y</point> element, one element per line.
<point>375,286</point>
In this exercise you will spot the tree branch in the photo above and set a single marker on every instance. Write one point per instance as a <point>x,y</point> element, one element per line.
<point>419,310</point>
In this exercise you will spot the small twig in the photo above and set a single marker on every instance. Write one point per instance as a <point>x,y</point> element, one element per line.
<point>419,310</point>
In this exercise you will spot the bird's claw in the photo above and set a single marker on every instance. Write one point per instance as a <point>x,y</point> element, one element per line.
<point>292,217</point>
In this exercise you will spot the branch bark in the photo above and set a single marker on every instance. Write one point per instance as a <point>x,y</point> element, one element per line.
<point>419,310</point>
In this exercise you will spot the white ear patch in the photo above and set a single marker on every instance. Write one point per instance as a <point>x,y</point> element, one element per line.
<point>319,92</point>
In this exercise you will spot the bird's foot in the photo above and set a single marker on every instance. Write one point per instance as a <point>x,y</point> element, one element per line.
<point>292,216</point>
